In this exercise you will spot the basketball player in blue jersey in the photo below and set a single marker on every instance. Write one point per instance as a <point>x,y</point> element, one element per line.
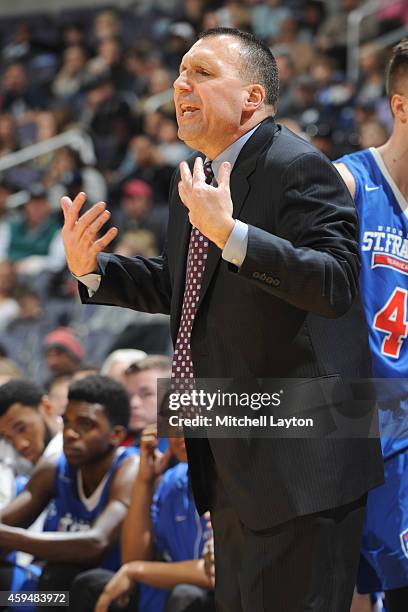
<point>378,180</point>
<point>89,488</point>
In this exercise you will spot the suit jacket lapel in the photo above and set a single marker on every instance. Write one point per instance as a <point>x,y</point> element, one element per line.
<point>239,183</point>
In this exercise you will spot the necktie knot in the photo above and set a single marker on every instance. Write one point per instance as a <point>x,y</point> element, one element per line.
<point>208,171</point>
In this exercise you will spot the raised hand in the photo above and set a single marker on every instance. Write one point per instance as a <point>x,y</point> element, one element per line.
<point>79,234</point>
<point>152,462</point>
<point>210,208</point>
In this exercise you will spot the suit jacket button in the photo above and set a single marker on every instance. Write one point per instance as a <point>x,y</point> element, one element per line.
<point>269,280</point>
<point>276,282</point>
<point>256,275</point>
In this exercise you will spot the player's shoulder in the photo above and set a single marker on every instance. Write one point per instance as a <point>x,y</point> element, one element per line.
<point>359,163</point>
<point>174,479</point>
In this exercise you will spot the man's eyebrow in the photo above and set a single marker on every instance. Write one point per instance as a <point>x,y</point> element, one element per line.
<point>202,63</point>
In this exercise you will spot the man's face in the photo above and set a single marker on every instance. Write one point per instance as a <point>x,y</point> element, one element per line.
<point>142,390</point>
<point>26,429</point>
<point>60,362</point>
<point>209,95</point>
<point>88,434</point>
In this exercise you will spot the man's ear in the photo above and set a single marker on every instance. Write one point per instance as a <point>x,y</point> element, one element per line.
<point>399,107</point>
<point>255,97</point>
<point>46,409</point>
<point>118,434</point>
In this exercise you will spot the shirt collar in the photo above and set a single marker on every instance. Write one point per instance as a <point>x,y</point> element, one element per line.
<point>230,154</point>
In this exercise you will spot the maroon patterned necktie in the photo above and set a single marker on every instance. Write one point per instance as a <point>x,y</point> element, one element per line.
<point>182,368</point>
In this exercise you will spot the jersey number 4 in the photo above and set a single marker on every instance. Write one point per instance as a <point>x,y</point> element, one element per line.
<point>392,319</point>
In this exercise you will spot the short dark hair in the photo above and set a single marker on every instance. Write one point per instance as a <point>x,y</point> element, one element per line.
<point>258,62</point>
<point>20,391</point>
<point>111,395</point>
<point>397,67</point>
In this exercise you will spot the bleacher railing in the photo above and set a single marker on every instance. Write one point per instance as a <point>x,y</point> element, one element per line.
<point>354,30</point>
<point>75,138</point>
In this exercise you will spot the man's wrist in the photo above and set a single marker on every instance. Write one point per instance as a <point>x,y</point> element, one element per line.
<point>134,570</point>
<point>225,233</point>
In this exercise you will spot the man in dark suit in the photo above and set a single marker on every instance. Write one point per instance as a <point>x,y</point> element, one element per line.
<point>260,277</point>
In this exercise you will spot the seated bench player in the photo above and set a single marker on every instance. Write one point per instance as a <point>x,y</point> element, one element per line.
<point>88,489</point>
<point>162,523</point>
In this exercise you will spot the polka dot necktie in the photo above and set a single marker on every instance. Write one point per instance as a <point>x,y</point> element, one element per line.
<point>182,368</point>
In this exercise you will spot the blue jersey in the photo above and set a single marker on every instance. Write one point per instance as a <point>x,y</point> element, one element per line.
<point>383,216</point>
<point>69,511</point>
<point>179,532</point>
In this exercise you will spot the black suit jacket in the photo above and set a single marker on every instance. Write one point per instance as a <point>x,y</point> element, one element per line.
<point>291,311</point>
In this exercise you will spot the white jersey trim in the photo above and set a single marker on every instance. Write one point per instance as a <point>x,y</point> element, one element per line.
<point>383,168</point>
<point>92,501</point>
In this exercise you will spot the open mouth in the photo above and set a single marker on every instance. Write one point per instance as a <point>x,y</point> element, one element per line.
<point>187,110</point>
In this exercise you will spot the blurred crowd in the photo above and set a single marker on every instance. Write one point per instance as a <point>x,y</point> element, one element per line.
<point>105,77</point>
<point>101,80</point>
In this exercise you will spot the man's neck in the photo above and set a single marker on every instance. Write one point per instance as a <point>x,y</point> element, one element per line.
<point>93,473</point>
<point>214,152</point>
<point>395,156</point>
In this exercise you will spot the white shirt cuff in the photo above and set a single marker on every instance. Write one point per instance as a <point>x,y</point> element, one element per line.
<point>236,248</point>
<point>91,281</point>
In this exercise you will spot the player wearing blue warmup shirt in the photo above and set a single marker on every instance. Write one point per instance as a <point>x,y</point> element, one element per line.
<point>162,523</point>
<point>378,180</point>
<point>89,487</point>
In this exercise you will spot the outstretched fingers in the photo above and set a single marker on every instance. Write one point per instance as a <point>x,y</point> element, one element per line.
<point>101,244</point>
<point>71,208</point>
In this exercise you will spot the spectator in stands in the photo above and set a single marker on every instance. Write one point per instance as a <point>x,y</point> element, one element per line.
<point>107,115</point>
<point>67,164</point>
<point>72,73</point>
<point>143,161</point>
<point>332,34</point>
<point>8,368</point>
<point>371,86</point>
<point>267,19</point>
<point>89,487</point>
<point>116,363</point>
<point>35,242</point>
<point>171,149</point>
<point>141,384</point>
<point>154,528</point>
<point>9,308</point>
<point>5,192</point>
<point>8,135</point>
<point>57,393</point>
<point>193,11</point>
<point>137,211</point>
<point>106,25</point>
<point>313,14</point>
<point>303,53</point>
<point>20,97</point>
<point>72,34</point>
<point>287,72</point>
<point>109,59</point>
<point>63,351</point>
<point>372,134</point>
<point>135,62</point>
<point>181,36</point>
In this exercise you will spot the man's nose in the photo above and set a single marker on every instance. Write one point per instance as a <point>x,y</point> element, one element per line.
<point>135,401</point>
<point>70,433</point>
<point>20,444</point>
<point>182,83</point>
